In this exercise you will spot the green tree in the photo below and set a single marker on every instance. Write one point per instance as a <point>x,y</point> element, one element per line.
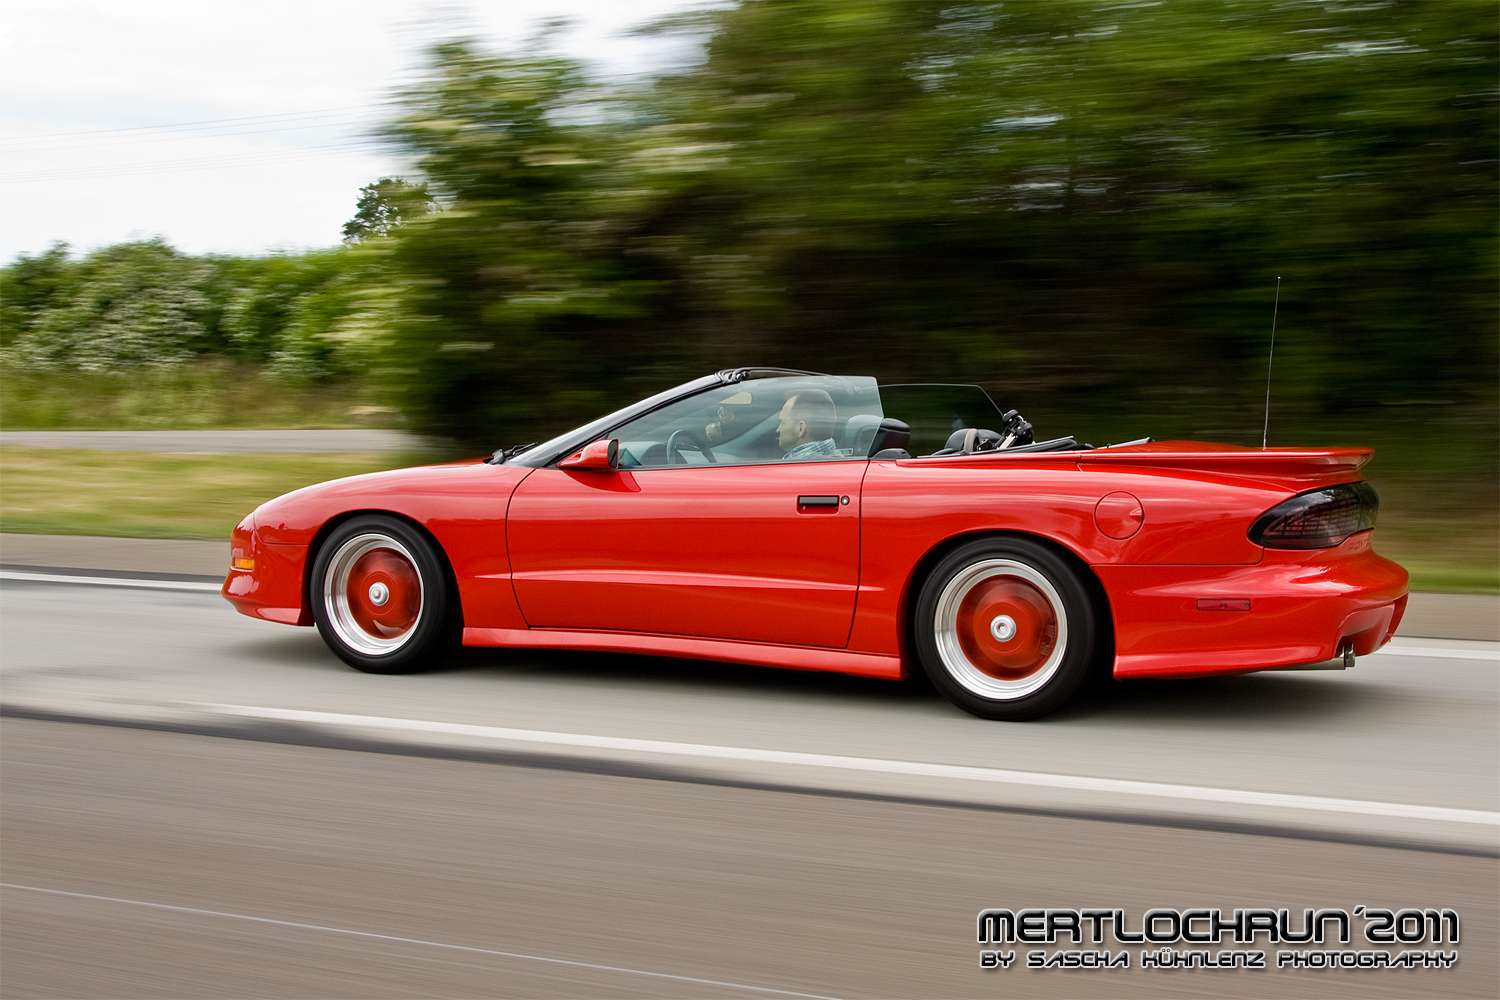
<point>28,286</point>
<point>1074,203</point>
<point>383,206</point>
<point>1059,194</point>
<point>517,299</point>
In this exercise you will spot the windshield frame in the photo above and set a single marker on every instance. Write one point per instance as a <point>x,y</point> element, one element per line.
<point>554,449</point>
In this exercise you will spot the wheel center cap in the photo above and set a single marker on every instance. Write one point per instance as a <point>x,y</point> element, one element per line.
<point>380,593</point>
<point>1003,628</point>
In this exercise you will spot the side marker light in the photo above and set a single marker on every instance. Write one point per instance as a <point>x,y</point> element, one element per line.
<point>242,563</point>
<point>1223,604</point>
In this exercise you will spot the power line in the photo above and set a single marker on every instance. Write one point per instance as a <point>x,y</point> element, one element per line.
<point>151,139</point>
<point>200,163</point>
<point>212,121</point>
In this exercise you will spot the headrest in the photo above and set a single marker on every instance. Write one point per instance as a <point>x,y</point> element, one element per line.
<point>967,440</point>
<point>893,433</point>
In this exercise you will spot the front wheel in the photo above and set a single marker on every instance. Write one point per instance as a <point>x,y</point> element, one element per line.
<point>380,596</point>
<point>1005,629</point>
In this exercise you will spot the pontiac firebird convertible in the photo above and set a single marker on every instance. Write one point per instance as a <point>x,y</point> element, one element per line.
<point>790,519</point>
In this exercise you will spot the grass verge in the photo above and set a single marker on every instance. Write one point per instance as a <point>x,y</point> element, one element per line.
<point>205,394</point>
<point>147,495</point>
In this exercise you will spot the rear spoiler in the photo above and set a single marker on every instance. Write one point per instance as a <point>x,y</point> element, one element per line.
<point>1231,460</point>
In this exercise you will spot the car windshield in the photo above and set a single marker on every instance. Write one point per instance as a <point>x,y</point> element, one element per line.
<point>537,455</point>
<point>757,421</point>
<point>740,423</point>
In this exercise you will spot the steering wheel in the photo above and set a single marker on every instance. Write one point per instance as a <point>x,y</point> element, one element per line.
<point>680,439</point>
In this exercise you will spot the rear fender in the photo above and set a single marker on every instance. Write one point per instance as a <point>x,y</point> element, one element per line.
<point>920,573</point>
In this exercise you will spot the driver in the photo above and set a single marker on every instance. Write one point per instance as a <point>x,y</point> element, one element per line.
<point>806,429</point>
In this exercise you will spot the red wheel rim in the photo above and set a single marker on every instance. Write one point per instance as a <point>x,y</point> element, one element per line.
<point>384,593</point>
<point>1001,629</point>
<point>1023,644</point>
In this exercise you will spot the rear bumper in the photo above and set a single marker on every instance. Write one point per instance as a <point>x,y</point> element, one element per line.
<point>1303,606</point>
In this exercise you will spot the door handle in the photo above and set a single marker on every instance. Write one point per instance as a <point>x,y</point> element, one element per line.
<point>830,500</point>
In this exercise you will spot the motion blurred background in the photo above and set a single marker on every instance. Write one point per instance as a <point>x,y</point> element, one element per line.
<point>1083,206</point>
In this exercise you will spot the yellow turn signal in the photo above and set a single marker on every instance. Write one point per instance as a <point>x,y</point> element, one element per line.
<point>243,563</point>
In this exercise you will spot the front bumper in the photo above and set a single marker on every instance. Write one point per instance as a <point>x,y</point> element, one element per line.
<point>1304,607</point>
<point>272,590</point>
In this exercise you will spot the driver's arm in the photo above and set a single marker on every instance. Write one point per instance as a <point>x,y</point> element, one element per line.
<point>717,430</point>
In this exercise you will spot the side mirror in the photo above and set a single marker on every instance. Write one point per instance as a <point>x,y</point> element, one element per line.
<point>601,454</point>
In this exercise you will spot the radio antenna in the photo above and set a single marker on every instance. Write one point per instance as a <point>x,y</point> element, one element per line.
<point>1266,430</point>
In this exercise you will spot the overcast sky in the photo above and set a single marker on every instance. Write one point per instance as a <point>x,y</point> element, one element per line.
<point>232,125</point>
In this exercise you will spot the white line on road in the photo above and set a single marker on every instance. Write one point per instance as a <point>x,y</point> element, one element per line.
<point>110,581</point>
<point>405,940</point>
<point>1444,653</point>
<point>1275,800</point>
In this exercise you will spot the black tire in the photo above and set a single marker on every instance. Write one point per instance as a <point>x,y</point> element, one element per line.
<point>1004,628</point>
<point>381,598</point>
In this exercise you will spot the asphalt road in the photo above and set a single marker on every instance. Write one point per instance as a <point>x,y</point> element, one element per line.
<point>469,856</point>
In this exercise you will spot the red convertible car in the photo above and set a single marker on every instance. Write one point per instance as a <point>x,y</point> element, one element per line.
<point>816,522</point>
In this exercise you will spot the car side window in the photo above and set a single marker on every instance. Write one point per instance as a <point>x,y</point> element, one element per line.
<point>758,422</point>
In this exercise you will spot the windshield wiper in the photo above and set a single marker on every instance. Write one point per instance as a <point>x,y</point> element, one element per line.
<point>505,454</point>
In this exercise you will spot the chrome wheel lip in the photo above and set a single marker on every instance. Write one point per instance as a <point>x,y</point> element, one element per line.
<point>957,662</point>
<point>336,594</point>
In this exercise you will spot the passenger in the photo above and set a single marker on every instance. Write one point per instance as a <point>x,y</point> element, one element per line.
<point>806,429</point>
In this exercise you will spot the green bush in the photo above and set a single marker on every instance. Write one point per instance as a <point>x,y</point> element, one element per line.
<point>140,335</point>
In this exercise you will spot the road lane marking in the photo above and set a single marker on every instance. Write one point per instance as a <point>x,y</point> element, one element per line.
<point>110,581</point>
<point>406,940</point>
<point>1443,653</point>
<point>1276,800</point>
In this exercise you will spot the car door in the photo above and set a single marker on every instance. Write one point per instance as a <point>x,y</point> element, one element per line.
<point>734,515</point>
<point>763,553</point>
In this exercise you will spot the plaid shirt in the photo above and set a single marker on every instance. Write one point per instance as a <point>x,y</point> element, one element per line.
<point>813,449</point>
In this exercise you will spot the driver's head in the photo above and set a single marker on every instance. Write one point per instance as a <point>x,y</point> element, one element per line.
<point>807,415</point>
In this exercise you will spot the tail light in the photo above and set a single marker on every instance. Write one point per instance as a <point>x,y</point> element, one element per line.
<point>1319,519</point>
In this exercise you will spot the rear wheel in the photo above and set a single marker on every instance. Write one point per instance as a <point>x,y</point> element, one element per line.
<point>381,598</point>
<point>1005,629</point>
